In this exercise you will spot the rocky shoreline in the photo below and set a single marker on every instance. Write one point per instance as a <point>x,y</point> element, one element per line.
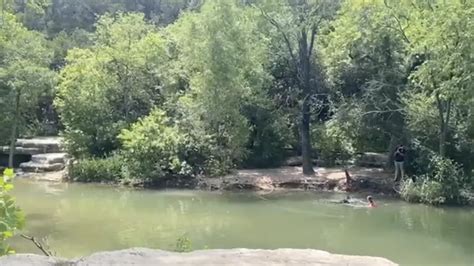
<point>143,256</point>
<point>363,180</point>
<point>370,180</point>
<point>47,161</point>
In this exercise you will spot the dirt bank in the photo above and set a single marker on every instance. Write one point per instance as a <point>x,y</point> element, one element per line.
<point>362,179</point>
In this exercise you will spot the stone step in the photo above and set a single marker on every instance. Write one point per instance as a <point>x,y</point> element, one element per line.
<point>21,150</point>
<point>45,144</point>
<point>41,167</point>
<point>49,158</point>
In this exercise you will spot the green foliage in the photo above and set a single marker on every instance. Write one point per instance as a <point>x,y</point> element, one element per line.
<point>183,244</point>
<point>24,76</point>
<point>154,147</point>
<point>105,88</point>
<point>11,217</point>
<point>443,81</point>
<point>365,56</point>
<point>333,143</point>
<point>236,83</point>
<point>220,71</point>
<point>442,184</point>
<point>53,17</point>
<point>98,170</point>
<point>429,192</point>
<point>269,135</point>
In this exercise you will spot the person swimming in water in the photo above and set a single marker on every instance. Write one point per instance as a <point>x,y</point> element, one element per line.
<point>357,203</point>
<point>346,200</point>
<point>371,202</point>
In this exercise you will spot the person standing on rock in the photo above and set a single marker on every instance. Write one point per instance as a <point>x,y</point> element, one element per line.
<point>399,157</point>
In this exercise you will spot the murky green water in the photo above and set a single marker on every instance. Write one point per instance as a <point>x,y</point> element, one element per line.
<point>79,219</point>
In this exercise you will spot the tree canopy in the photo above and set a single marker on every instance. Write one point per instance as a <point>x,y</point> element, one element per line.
<point>189,88</point>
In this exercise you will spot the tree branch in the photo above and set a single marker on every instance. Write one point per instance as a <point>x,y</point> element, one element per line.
<point>37,244</point>
<point>285,37</point>
<point>440,109</point>
<point>400,27</point>
<point>382,111</point>
<point>448,111</point>
<point>311,44</point>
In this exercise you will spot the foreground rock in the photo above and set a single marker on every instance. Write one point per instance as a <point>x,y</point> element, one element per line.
<point>142,256</point>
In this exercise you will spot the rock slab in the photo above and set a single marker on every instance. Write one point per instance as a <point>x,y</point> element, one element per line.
<point>143,256</point>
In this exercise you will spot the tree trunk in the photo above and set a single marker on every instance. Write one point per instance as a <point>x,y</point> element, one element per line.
<point>305,82</point>
<point>444,130</point>
<point>306,147</point>
<point>391,148</point>
<point>14,130</point>
<point>443,124</point>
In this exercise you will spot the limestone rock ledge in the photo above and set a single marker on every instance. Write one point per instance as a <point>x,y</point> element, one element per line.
<point>143,256</point>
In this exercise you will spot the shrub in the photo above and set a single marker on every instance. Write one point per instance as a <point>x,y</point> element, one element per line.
<point>332,143</point>
<point>183,244</point>
<point>98,169</point>
<point>155,148</point>
<point>410,191</point>
<point>425,191</point>
<point>442,184</point>
<point>269,133</point>
<point>11,217</point>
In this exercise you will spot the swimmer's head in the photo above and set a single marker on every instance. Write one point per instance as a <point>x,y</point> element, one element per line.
<point>369,199</point>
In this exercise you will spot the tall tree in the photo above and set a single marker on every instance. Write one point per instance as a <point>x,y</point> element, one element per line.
<point>366,60</point>
<point>439,33</point>
<point>24,76</point>
<point>108,86</point>
<point>221,56</point>
<point>299,23</point>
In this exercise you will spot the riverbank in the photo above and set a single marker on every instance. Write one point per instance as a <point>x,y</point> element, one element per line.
<point>143,256</point>
<point>362,179</point>
<point>47,161</point>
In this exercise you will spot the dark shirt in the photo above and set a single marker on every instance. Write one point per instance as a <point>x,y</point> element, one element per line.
<point>399,156</point>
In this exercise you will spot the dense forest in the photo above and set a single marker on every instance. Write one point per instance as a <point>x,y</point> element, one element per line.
<point>147,89</point>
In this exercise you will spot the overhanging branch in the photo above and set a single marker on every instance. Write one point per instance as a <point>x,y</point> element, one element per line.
<point>282,32</point>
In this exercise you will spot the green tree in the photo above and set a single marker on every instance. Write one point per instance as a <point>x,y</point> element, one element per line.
<point>221,56</point>
<point>366,57</point>
<point>299,23</point>
<point>24,76</point>
<point>445,78</point>
<point>108,86</point>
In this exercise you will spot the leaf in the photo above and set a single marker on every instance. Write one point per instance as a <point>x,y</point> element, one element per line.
<point>9,172</point>
<point>8,187</point>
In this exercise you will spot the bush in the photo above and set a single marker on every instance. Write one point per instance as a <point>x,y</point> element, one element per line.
<point>425,191</point>
<point>155,147</point>
<point>332,143</point>
<point>410,191</point>
<point>98,170</point>
<point>11,217</point>
<point>183,244</point>
<point>269,134</point>
<point>443,184</point>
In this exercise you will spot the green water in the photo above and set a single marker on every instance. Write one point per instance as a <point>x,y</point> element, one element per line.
<point>79,219</point>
